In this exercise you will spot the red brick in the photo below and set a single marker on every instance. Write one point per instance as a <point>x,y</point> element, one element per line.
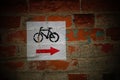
<point>58,65</point>
<point>70,35</point>
<point>71,49</point>
<point>95,34</point>
<point>113,33</point>
<point>15,65</point>
<point>84,20</point>
<point>52,65</point>
<point>37,18</point>
<point>16,36</point>
<point>77,76</point>
<point>19,6</point>
<point>54,5</point>
<point>10,22</point>
<point>38,65</point>
<point>7,51</point>
<point>68,19</point>
<point>107,20</point>
<point>100,5</point>
<point>62,65</point>
<point>106,48</point>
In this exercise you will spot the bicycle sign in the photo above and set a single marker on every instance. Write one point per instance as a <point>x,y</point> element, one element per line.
<point>46,40</point>
<point>39,36</point>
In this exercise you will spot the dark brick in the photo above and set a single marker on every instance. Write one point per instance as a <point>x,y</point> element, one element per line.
<point>113,33</point>
<point>109,76</point>
<point>14,65</point>
<point>37,18</point>
<point>68,19</point>
<point>54,5</point>
<point>100,5</point>
<point>107,20</point>
<point>7,51</point>
<point>16,36</point>
<point>8,22</point>
<point>13,6</point>
<point>84,20</point>
<point>106,48</point>
<point>77,76</point>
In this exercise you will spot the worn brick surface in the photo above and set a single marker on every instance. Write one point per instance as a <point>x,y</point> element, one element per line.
<point>106,48</point>
<point>107,20</point>
<point>113,33</point>
<point>16,36</point>
<point>8,22</point>
<point>53,65</point>
<point>29,75</point>
<point>77,76</point>
<point>36,18</point>
<point>85,34</point>
<point>110,76</point>
<point>84,20</point>
<point>68,19</point>
<point>55,76</point>
<point>54,5</point>
<point>100,5</point>
<point>71,49</point>
<point>103,64</point>
<point>7,51</point>
<point>14,65</point>
<point>14,6</point>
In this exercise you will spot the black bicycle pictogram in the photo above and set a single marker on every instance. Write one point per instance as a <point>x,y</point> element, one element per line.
<point>52,36</point>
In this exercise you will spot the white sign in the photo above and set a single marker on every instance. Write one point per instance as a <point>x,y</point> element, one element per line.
<point>46,40</point>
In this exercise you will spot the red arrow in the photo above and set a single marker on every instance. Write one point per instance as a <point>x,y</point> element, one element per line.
<point>44,51</point>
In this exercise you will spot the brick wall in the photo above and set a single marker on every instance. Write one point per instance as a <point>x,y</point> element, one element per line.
<point>93,39</point>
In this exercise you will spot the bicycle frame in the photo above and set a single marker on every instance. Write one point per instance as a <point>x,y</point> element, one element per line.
<point>52,36</point>
<point>48,33</point>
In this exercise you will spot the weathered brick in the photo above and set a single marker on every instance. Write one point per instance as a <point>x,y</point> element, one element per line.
<point>63,65</point>
<point>106,48</point>
<point>38,65</point>
<point>54,5</point>
<point>55,76</point>
<point>29,76</point>
<point>68,19</point>
<point>7,51</point>
<point>100,5</point>
<point>16,36</point>
<point>107,20</point>
<point>113,33</point>
<point>106,64</point>
<point>109,76</point>
<point>53,65</point>
<point>95,34</point>
<point>77,76</point>
<point>84,20</point>
<point>10,22</point>
<point>58,65</point>
<point>71,49</point>
<point>37,18</point>
<point>14,65</point>
<point>19,6</point>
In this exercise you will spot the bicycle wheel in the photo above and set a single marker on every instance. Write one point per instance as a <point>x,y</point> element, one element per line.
<point>54,37</point>
<point>37,38</point>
